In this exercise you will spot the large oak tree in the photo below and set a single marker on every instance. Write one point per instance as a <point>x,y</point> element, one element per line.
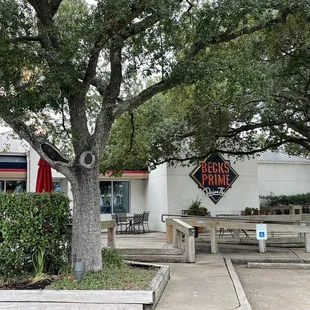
<point>255,97</point>
<point>68,71</point>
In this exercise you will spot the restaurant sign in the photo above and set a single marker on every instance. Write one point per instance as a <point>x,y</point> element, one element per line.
<point>214,176</point>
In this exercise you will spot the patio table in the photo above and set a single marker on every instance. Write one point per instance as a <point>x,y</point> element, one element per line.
<point>130,228</point>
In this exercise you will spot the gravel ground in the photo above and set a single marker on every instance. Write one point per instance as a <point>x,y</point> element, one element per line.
<point>273,289</point>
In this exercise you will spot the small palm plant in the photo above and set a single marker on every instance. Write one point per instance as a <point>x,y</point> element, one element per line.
<point>38,261</point>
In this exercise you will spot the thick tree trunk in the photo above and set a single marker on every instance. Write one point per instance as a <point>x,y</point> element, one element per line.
<point>86,241</point>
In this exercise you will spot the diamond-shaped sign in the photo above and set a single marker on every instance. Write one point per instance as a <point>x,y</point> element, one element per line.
<point>214,176</point>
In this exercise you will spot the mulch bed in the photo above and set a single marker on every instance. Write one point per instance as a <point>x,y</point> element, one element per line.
<point>27,285</point>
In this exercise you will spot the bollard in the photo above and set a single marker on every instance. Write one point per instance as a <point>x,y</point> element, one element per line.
<point>79,268</point>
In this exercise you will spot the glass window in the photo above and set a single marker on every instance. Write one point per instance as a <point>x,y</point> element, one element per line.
<point>120,196</point>
<point>114,196</point>
<point>2,186</point>
<point>57,186</point>
<point>105,197</point>
<point>15,186</point>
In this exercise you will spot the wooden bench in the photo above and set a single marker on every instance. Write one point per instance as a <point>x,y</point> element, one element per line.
<point>110,226</point>
<point>236,224</point>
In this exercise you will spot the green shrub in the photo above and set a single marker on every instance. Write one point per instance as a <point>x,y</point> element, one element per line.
<point>31,222</point>
<point>299,199</point>
<point>251,211</point>
<point>195,208</point>
<point>110,257</point>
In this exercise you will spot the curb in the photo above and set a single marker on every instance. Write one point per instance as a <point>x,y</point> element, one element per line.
<point>242,298</point>
<point>245,261</point>
<point>158,283</point>
<point>89,299</point>
<point>260,265</point>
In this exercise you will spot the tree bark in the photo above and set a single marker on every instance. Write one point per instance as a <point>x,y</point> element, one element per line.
<point>86,240</point>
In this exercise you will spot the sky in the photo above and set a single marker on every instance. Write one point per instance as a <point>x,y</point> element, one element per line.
<point>4,129</point>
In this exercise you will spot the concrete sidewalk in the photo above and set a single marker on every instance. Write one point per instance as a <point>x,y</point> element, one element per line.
<point>203,285</point>
<point>212,283</point>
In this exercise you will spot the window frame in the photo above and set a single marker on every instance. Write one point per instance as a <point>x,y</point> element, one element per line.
<point>58,180</point>
<point>12,180</point>
<point>112,194</point>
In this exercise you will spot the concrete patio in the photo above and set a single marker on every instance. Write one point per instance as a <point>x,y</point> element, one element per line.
<point>212,282</point>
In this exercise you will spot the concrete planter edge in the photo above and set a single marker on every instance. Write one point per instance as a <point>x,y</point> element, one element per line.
<point>95,300</point>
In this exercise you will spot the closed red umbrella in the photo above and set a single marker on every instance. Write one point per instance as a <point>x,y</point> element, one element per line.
<point>44,177</point>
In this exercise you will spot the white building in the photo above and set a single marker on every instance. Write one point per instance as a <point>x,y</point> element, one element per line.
<point>231,185</point>
<point>171,189</point>
<point>281,174</point>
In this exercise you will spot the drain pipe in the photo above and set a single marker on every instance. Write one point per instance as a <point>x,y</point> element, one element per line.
<point>28,171</point>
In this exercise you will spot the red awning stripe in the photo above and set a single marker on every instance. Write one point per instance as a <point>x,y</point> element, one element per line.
<point>13,170</point>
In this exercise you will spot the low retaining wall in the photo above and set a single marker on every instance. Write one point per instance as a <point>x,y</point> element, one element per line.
<point>90,300</point>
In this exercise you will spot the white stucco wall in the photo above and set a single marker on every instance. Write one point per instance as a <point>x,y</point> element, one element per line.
<point>171,189</point>
<point>156,197</point>
<point>243,193</point>
<point>283,178</point>
<point>137,197</point>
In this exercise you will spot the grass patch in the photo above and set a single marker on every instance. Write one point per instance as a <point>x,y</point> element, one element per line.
<point>5,280</point>
<point>126,277</point>
<point>115,275</point>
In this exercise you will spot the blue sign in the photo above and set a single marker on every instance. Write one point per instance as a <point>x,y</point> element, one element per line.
<point>261,231</point>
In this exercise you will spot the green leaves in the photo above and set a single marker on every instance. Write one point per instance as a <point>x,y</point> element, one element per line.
<point>273,200</point>
<point>43,64</point>
<point>38,261</point>
<point>35,232</point>
<point>149,134</point>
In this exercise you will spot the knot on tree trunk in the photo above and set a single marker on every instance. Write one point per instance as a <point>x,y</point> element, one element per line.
<point>88,159</point>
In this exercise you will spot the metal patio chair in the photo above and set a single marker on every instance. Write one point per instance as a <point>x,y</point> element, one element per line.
<point>137,222</point>
<point>121,220</point>
<point>146,215</point>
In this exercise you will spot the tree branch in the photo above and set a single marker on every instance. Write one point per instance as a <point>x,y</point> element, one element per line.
<point>30,39</point>
<point>110,94</point>
<point>139,27</point>
<point>28,134</point>
<point>63,116</point>
<point>190,6</point>
<point>121,30</point>
<point>113,88</point>
<point>50,5</point>
<point>229,36</point>
<point>222,151</point>
<point>54,5</point>
<point>193,51</point>
<point>99,85</point>
<point>145,95</point>
<point>132,122</point>
<point>92,65</point>
<point>300,129</point>
<point>45,11</point>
